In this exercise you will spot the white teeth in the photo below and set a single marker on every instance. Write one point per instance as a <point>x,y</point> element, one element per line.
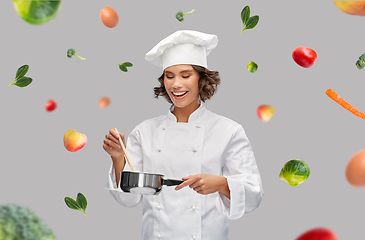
<point>179,94</point>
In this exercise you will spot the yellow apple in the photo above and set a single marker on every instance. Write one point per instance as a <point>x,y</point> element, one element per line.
<point>74,141</point>
<point>351,7</point>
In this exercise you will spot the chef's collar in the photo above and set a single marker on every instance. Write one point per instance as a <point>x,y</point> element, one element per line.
<point>198,113</point>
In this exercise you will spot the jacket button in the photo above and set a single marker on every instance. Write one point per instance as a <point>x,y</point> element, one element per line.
<point>159,150</point>
<point>163,128</point>
<point>194,150</point>
<point>197,126</point>
<point>159,207</point>
<point>159,235</point>
<point>194,237</point>
<point>193,208</point>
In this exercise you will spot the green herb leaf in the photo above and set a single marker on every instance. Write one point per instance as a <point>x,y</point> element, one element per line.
<point>21,72</point>
<point>72,203</point>
<point>245,15</point>
<point>127,64</point>
<point>123,68</point>
<point>81,200</point>
<point>22,82</point>
<point>252,22</point>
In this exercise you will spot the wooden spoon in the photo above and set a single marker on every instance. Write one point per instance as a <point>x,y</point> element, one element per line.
<point>125,152</point>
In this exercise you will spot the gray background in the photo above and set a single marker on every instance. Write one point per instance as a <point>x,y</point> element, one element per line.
<point>38,172</point>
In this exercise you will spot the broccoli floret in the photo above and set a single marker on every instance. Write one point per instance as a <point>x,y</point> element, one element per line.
<point>20,223</point>
<point>180,15</point>
<point>360,64</point>
<point>72,52</point>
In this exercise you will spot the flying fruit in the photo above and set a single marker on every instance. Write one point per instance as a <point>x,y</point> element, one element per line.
<point>265,112</point>
<point>351,7</point>
<point>50,105</point>
<point>74,141</point>
<point>304,57</point>
<point>318,234</point>
<point>104,102</point>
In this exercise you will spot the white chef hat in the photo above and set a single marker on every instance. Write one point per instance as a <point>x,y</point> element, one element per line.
<point>183,47</point>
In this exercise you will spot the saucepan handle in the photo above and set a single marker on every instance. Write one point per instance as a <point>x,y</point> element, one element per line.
<point>171,182</point>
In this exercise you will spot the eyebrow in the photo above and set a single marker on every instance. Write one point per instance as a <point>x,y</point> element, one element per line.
<point>183,71</point>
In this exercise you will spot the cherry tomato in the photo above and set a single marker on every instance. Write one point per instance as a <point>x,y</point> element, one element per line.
<point>304,57</point>
<point>318,234</point>
<point>50,105</point>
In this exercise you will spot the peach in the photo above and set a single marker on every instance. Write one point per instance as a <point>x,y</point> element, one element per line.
<point>351,7</point>
<point>265,112</point>
<point>74,141</point>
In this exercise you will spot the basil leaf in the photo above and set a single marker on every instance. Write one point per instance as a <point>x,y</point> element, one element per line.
<point>23,82</point>
<point>72,203</point>
<point>123,68</point>
<point>21,72</point>
<point>81,200</point>
<point>127,64</point>
<point>252,22</point>
<point>245,15</point>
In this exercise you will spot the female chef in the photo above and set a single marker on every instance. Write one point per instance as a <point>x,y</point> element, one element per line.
<point>211,153</point>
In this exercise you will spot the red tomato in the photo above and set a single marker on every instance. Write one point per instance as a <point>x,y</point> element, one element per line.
<point>50,105</point>
<point>318,234</point>
<point>304,57</point>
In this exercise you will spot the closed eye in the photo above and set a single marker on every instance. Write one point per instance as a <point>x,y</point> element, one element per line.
<point>186,76</point>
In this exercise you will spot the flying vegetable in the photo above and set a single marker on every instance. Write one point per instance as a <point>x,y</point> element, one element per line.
<point>21,223</point>
<point>180,15</point>
<point>294,172</point>
<point>37,12</point>
<point>360,64</point>
<point>72,52</point>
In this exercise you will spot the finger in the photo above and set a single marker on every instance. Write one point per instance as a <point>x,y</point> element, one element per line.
<point>114,133</point>
<point>185,183</point>
<point>196,184</point>
<point>112,144</point>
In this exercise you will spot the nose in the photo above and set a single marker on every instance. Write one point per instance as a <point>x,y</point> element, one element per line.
<point>177,83</point>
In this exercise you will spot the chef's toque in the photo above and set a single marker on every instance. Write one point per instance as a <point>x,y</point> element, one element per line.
<point>183,47</point>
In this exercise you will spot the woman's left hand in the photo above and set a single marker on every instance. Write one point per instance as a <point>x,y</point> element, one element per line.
<point>206,184</point>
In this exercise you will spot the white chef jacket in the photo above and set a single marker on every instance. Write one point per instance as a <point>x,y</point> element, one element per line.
<point>207,143</point>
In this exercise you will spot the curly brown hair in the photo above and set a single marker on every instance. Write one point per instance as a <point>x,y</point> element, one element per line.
<point>208,82</point>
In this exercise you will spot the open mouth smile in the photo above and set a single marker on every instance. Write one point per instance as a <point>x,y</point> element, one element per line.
<point>179,95</point>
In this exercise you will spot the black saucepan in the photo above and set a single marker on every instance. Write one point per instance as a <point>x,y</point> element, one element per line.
<point>144,183</point>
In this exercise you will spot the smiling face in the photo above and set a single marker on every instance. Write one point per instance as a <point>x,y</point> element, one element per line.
<point>182,85</point>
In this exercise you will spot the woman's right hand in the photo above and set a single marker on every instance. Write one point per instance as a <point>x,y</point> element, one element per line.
<point>112,146</point>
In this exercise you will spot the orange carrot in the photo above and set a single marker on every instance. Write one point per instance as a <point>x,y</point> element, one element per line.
<point>334,96</point>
